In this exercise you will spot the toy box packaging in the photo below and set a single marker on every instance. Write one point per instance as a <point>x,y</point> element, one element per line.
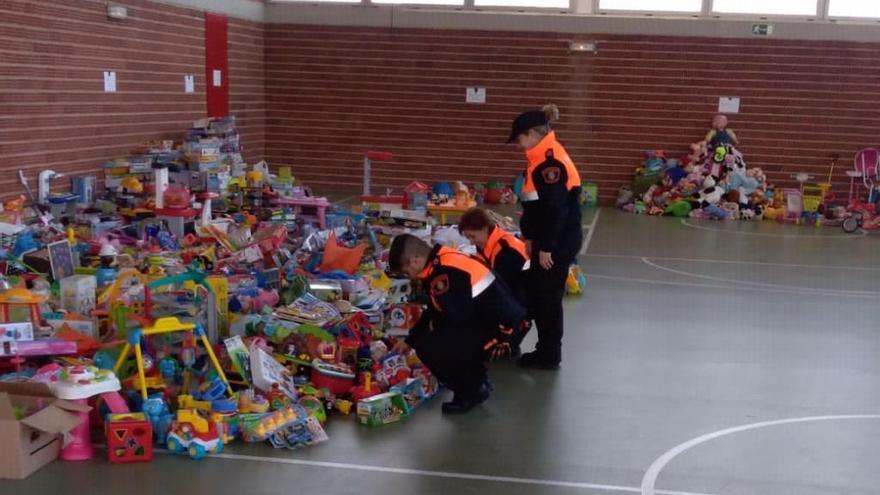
<point>16,332</point>
<point>381,409</point>
<point>78,293</point>
<point>266,372</point>
<point>32,421</point>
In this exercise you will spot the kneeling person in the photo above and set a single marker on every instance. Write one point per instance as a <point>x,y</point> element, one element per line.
<point>466,309</point>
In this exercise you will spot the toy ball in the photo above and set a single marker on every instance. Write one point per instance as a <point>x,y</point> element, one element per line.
<point>443,189</point>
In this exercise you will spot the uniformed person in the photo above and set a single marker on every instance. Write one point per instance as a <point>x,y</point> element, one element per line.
<point>505,254</point>
<point>551,226</point>
<point>466,309</point>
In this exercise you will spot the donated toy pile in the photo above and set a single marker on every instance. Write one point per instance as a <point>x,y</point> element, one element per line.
<point>714,182</point>
<point>189,301</point>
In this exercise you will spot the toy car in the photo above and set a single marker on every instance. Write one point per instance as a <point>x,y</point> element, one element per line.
<point>194,434</point>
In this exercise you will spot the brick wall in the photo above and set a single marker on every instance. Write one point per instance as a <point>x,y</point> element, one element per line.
<point>54,112</point>
<point>334,92</point>
<point>316,98</point>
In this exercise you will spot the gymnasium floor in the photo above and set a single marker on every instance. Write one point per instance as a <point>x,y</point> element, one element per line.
<point>686,331</point>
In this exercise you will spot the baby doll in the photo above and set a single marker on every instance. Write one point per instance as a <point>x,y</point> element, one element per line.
<point>720,135</point>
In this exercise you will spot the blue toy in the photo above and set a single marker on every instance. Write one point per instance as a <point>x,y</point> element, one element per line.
<point>715,212</point>
<point>24,243</point>
<point>159,415</point>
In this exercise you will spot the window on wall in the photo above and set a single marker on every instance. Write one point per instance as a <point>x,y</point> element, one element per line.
<point>766,7</point>
<point>652,5</point>
<point>537,4</point>
<point>421,2</point>
<point>854,8</point>
<point>315,1</point>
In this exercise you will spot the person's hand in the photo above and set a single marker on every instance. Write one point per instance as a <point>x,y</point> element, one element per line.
<point>546,260</point>
<point>401,347</point>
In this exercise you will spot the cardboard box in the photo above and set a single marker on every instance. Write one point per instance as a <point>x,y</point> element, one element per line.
<point>31,424</point>
<point>16,332</point>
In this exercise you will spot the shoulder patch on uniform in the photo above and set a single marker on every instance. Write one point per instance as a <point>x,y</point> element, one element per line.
<point>440,285</point>
<point>551,175</point>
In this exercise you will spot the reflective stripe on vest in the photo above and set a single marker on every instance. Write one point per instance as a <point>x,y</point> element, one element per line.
<point>481,276</point>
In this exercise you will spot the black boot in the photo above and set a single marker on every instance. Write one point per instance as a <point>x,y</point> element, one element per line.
<point>461,405</point>
<point>533,360</point>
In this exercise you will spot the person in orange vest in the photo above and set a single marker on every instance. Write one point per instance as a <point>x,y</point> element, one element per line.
<point>505,254</point>
<point>551,226</point>
<point>466,310</point>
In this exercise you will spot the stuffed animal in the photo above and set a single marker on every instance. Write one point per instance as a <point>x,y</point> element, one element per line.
<point>624,196</point>
<point>711,193</point>
<point>696,157</point>
<point>715,212</point>
<point>757,174</point>
<point>741,182</point>
<point>732,210</point>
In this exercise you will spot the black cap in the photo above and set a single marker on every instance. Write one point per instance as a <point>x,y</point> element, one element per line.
<point>525,121</point>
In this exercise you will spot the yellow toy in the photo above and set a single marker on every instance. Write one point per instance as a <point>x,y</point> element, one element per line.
<point>163,326</point>
<point>188,402</point>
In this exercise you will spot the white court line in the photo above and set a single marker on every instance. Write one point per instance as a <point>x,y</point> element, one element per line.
<point>737,262</point>
<point>760,284</point>
<point>590,230</point>
<point>686,223</point>
<point>427,473</point>
<point>650,478</point>
<point>725,287</point>
<point>447,474</point>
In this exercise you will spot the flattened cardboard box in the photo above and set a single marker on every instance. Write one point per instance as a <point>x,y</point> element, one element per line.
<point>35,440</point>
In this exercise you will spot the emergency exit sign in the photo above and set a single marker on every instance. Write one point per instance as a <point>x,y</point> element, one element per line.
<point>762,29</point>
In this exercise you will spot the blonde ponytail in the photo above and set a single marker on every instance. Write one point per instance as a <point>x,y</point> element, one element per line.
<point>551,111</point>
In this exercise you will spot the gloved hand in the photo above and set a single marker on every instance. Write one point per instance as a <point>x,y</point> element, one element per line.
<point>499,346</point>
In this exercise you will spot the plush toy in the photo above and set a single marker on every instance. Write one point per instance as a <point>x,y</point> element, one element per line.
<point>679,209</point>
<point>697,156</point>
<point>757,174</point>
<point>774,213</point>
<point>639,208</point>
<point>648,197</point>
<point>711,193</point>
<point>688,188</point>
<point>732,210</point>
<point>715,212</point>
<point>747,214</point>
<point>624,196</point>
<point>740,182</point>
<point>719,134</point>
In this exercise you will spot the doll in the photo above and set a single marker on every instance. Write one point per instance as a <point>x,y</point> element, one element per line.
<point>720,135</point>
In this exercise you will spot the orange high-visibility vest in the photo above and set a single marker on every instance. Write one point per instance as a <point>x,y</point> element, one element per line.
<point>548,147</point>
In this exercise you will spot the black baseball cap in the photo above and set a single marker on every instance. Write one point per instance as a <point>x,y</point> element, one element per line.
<point>525,121</point>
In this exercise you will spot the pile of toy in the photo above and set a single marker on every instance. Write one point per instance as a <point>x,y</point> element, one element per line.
<point>192,301</point>
<point>716,185</point>
<point>713,182</point>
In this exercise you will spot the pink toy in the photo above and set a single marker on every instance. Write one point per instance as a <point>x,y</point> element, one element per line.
<point>78,384</point>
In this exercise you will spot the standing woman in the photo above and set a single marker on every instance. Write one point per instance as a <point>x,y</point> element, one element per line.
<point>551,226</point>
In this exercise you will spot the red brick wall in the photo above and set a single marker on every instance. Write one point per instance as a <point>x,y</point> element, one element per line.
<point>334,92</point>
<point>315,98</point>
<point>53,110</point>
<point>247,91</point>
